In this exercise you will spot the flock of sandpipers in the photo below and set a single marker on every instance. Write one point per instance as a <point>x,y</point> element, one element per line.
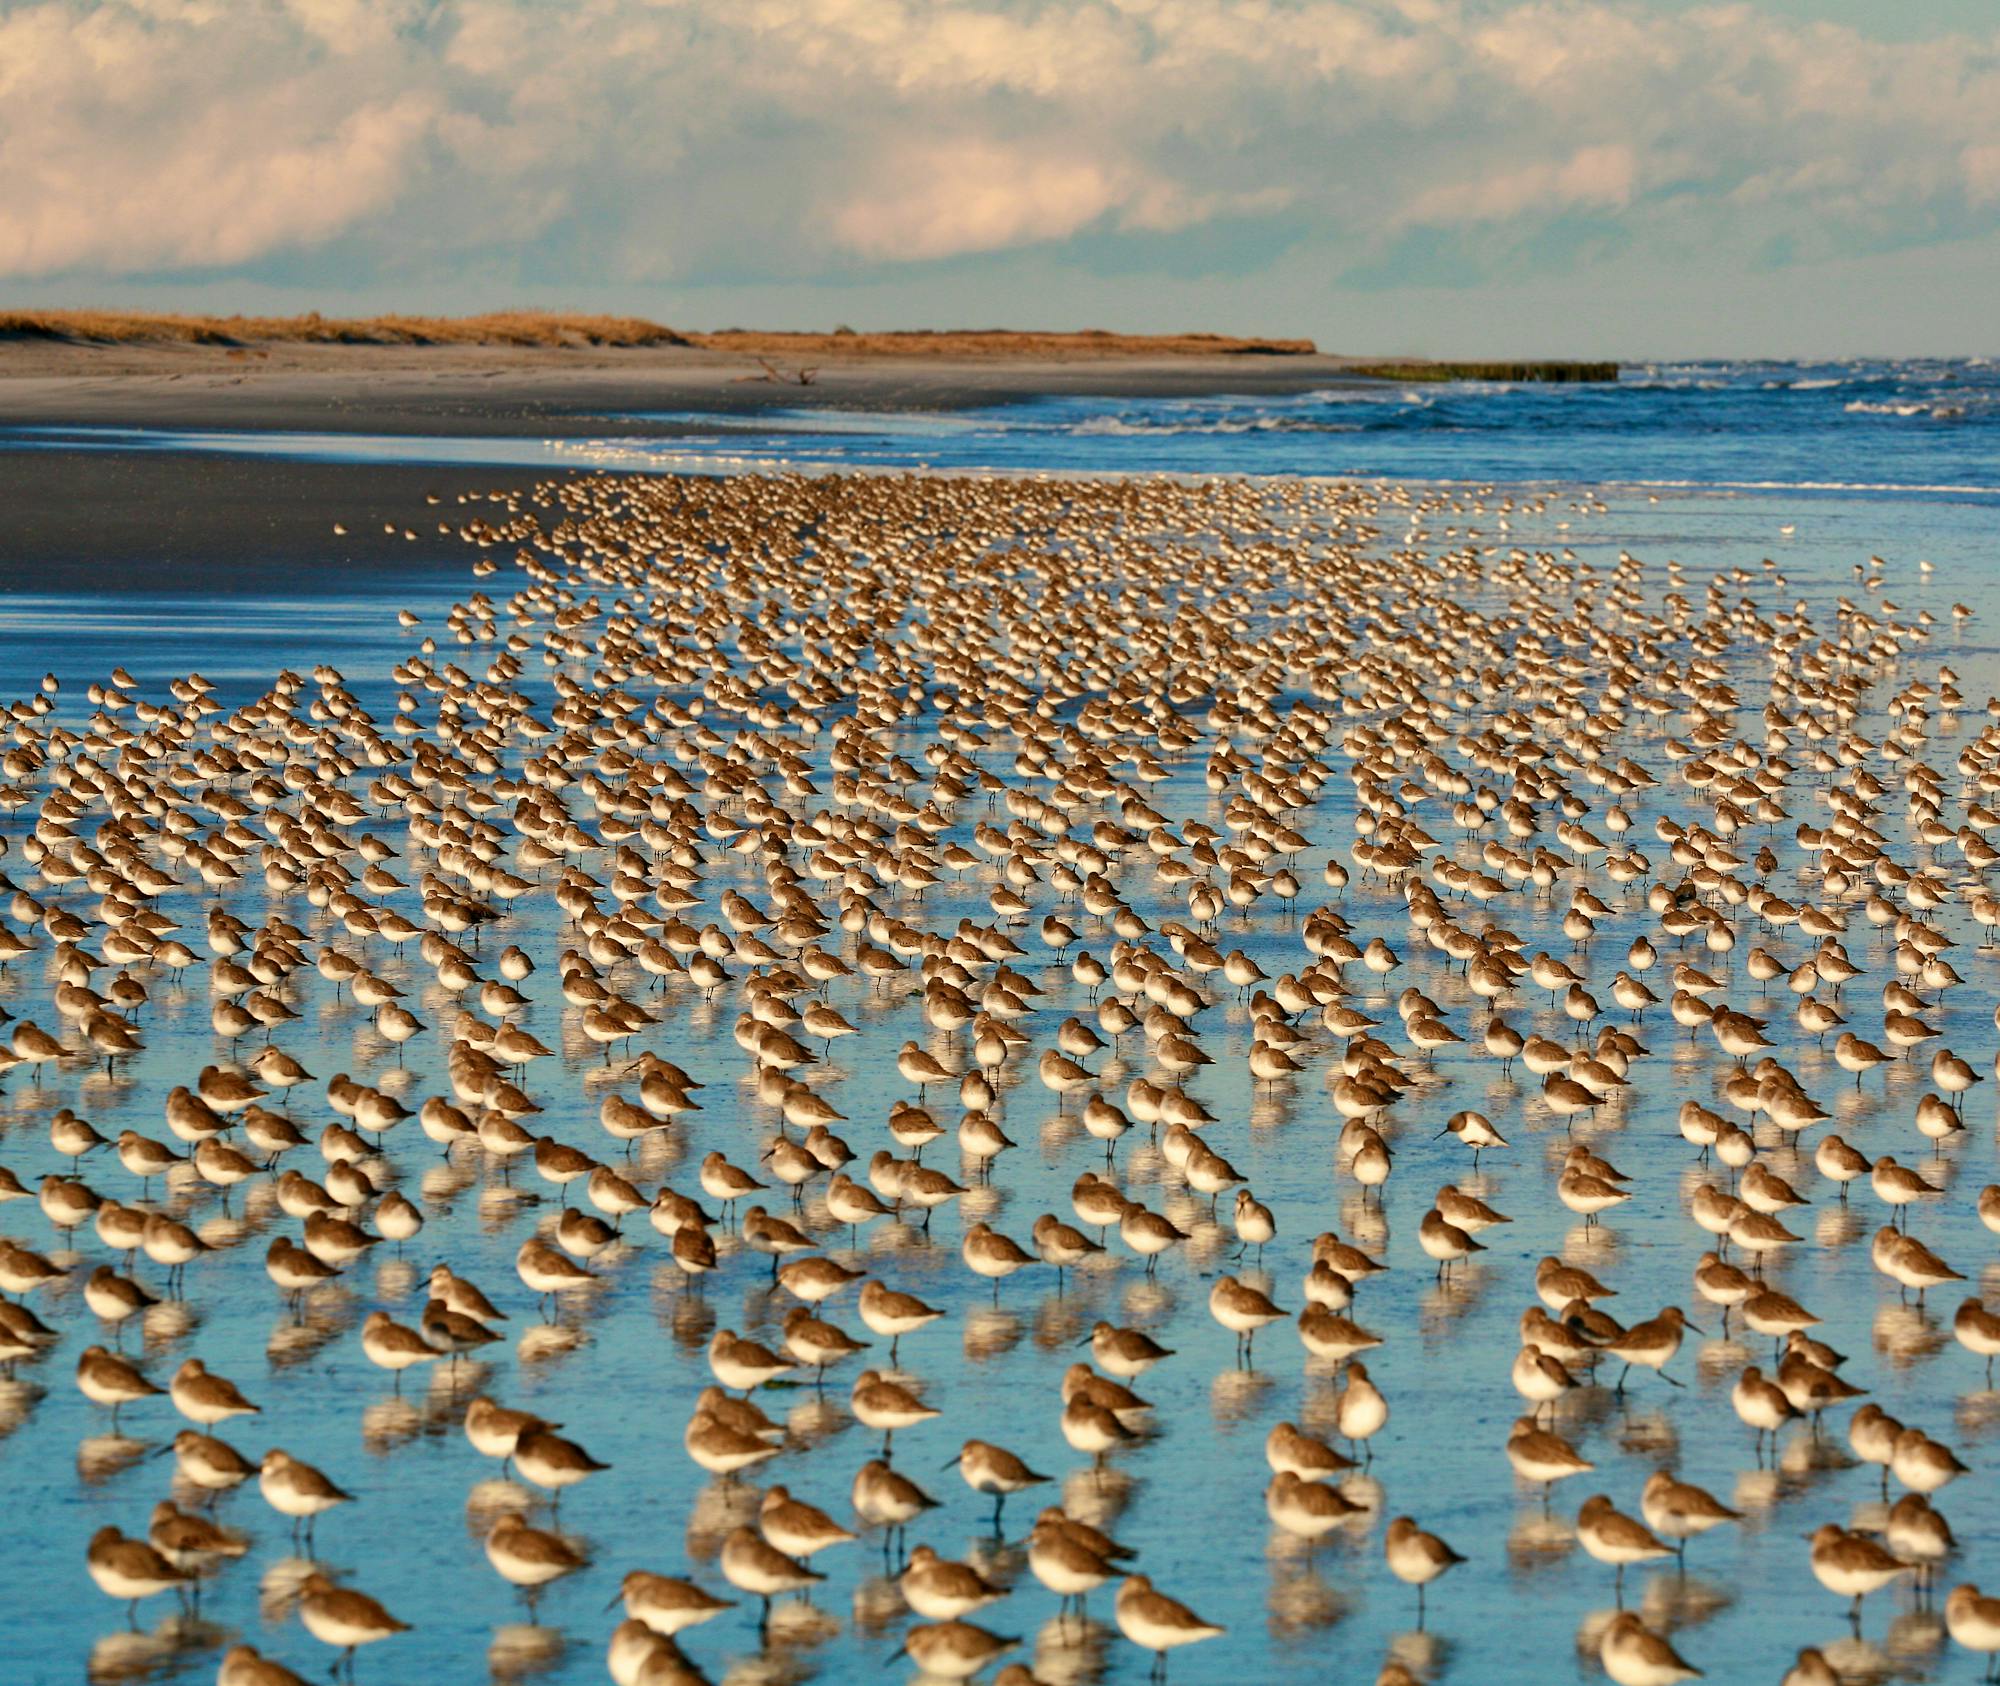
<point>889,750</point>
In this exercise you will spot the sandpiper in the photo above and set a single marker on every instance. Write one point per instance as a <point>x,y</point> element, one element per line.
<point>1416,1558</point>
<point>987,1468</point>
<point>751,1564</point>
<point>1065,1556</point>
<point>1243,1310</point>
<point>941,1590</point>
<point>296,1489</point>
<point>1157,1623</point>
<point>953,1650</point>
<point>665,1604</point>
<point>1679,1510</point>
<point>880,1403</point>
<point>1612,1537</point>
<point>1360,1410</point>
<point>343,1618</point>
<point>1852,1565</point>
<point>1973,1620</point>
<point>527,1557</point>
<point>128,1569</point>
<point>551,1462</point>
<point>1634,1655</point>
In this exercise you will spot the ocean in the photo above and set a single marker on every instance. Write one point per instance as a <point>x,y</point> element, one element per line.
<point>1927,427</point>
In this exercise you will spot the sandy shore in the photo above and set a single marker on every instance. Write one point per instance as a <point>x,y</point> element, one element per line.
<point>135,521</point>
<point>480,390</point>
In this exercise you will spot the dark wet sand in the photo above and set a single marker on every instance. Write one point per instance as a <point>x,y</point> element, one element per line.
<point>127,521</point>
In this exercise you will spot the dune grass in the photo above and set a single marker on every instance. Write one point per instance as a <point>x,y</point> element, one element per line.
<point>972,343</point>
<point>555,329</point>
<point>499,328</point>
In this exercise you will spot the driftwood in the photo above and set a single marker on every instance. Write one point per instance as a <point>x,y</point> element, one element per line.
<point>775,376</point>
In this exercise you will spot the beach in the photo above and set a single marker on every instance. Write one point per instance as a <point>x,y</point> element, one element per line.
<point>1003,844</point>
<point>1147,541</point>
<point>488,389</point>
<point>150,520</point>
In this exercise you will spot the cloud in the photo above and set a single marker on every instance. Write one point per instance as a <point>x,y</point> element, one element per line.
<point>1592,178</point>
<point>972,197</point>
<point>687,140</point>
<point>1981,165</point>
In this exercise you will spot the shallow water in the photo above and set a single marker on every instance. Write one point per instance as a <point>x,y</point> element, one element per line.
<point>1523,1609</point>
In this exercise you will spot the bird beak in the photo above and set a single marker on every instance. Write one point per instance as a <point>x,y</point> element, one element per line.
<point>1441,1133</point>
<point>615,1598</point>
<point>950,1461</point>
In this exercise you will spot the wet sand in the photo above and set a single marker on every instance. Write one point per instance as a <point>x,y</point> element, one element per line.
<point>126,521</point>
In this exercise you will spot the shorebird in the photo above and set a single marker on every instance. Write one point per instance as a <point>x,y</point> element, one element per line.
<point>940,1590</point>
<point>1242,1310</point>
<point>953,1650</point>
<point>1634,1655</point>
<point>297,1490</point>
<point>1417,1558</point>
<point>244,1665</point>
<point>667,1605</point>
<point>1157,1623</point>
<point>527,1557</point>
<point>892,1314</point>
<point>1069,1558</point>
<point>987,1468</point>
<point>204,1398</point>
<point>1852,1565</point>
<point>1612,1537</point>
<point>115,1299</point>
<point>1306,1509</point>
<point>106,1379</point>
<point>1543,1457</point>
<point>1124,1352</point>
<point>1679,1510</point>
<point>1651,1344</point>
<point>879,1403</point>
<point>343,1618</point>
<point>1360,1410</point>
<point>1973,1620</point>
<point>994,1256</point>
<point>129,1570</point>
<point>886,1499</point>
<point>553,1463</point>
<point>751,1564</point>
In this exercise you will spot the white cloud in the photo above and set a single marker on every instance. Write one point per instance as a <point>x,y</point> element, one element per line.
<point>1981,165</point>
<point>654,139</point>
<point>975,197</point>
<point>1591,178</point>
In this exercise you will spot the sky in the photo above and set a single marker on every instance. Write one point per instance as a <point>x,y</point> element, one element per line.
<point>1635,178</point>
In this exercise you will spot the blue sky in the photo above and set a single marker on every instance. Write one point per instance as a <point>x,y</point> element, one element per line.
<point>1627,177</point>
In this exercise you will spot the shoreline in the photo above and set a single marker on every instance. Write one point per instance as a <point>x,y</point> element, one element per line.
<point>484,391</point>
